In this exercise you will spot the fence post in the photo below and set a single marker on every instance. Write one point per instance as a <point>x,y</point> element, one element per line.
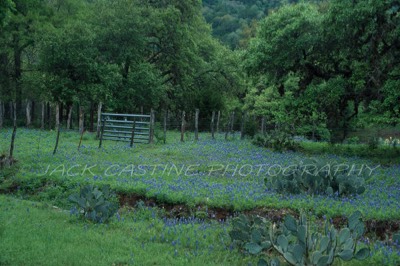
<point>212,124</point>
<point>81,119</point>
<point>242,125</point>
<point>196,125</point>
<point>98,119</point>
<point>28,113</point>
<point>133,132</point>
<point>48,115</point>
<point>218,119</point>
<point>151,126</point>
<point>58,127</point>
<point>43,115</point>
<point>102,131</point>
<point>165,125</point>
<point>183,127</point>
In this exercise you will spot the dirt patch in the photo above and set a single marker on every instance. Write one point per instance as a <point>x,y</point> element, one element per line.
<point>381,229</point>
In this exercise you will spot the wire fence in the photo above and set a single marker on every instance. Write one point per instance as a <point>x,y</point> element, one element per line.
<point>42,115</point>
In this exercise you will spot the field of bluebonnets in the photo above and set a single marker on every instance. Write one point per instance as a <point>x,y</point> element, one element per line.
<point>207,177</point>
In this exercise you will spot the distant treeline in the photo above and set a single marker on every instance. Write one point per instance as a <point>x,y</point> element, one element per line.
<point>234,22</point>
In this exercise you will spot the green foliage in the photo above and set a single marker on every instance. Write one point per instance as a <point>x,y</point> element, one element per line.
<point>233,22</point>
<point>126,54</point>
<point>251,128</point>
<point>300,243</point>
<point>159,133</point>
<point>373,143</point>
<point>318,177</point>
<point>276,140</point>
<point>250,234</point>
<point>96,204</point>
<point>353,140</point>
<point>396,238</point>
<point>305,71</point>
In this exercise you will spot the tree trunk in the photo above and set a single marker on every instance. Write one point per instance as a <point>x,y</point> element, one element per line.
<point>263,125</point>
<point>48,115</point>
<point>99,107</point>
<point>183,127</point>
<point>243,125</point>
<point>81,119</point>
<point>33,111</point>
<point>14,133</point>
<point>17,73</point>
<point>78,106</point>
<point>69,116</point>
<point>212,125</point>
<point>43,115</point>
<point>232,123</point>
<point>57,115</point>
<point>218,119</point>
<point>28,113</point>
<point>165,125</point>
<point>61,111</point>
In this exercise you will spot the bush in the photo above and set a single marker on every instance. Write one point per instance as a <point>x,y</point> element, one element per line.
<point>352,140</point>
<point>373,143</point>
<point>317,177</point>
<point>95,204</point>
<point>250,128</point>
<point>159,133</point>
<point>277,141</point>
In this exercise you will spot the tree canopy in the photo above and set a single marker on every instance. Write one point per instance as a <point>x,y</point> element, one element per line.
<point>325,64</point>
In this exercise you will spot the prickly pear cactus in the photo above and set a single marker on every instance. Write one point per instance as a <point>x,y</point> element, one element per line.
<point>318,177</point>
<point>302,244</point>
<point>250,234</point>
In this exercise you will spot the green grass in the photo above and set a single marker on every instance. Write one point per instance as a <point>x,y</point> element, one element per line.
<point>384,155</point>
<point>112,164</point>
<point>36,234</point>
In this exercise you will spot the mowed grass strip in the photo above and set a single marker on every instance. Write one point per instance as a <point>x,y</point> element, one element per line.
<point>37,234</point>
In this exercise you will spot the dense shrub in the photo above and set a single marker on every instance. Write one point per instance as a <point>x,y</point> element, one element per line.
<point>318,177</point>
<point>277,141</point>
<point>159,133</point>
<point>373,143</point>
<point>250,128</point>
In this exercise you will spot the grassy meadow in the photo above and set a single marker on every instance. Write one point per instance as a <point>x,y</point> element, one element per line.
<point>204,178</point>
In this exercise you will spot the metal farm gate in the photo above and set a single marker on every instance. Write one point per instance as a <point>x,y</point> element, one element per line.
<point>126,127</point>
